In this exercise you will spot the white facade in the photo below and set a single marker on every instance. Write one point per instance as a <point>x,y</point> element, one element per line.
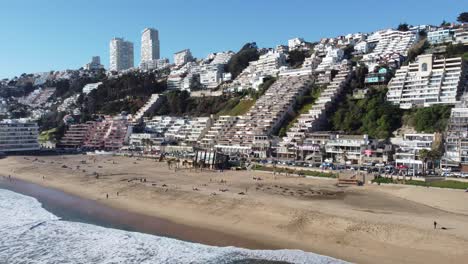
<point>440,36</point>
<point>211,75</point>
<point>391,46</point>
<point>407,153</point>
<point>18,135</point>
<point>362,47</point>
<point>90,86</point>
<point>295,43</point>
<point>154,64</point>
<point>182,57</point>
<point>461,35</point>
<point>149,45</point>
<point>427,81</point>
<point>121,55</point>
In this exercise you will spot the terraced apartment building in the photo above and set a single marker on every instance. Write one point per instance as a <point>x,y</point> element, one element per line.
<point>428,81</point>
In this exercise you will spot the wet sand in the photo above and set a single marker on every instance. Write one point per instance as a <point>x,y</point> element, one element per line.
<point>74,208</point>
<point>370,224</point>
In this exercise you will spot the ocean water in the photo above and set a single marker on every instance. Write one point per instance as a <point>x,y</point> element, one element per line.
<point>31,234</point>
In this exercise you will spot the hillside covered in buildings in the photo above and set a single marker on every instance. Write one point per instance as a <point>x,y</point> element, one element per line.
<point>376,97</point>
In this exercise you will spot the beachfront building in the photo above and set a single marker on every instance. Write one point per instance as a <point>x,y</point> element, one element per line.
<point>440,36</point>
<point>75,135</point>
<point>145,141</point>
<point>456,137</point>
<point>428,81</point>
<point>312,148</point>
<point>347,149</point>
<point>17,135</point>
<point>110,133</point>
<point>408,149</point>
<point>121,54</point>
<point>182,57</point>
<point>187,130</point>
<point>94,65</point>
<point>220,126</point>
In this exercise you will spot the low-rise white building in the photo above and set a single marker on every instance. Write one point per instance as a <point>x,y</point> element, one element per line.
<point>296,43</point>
<point>408,150</point>
<point>154,64</point>
<point>182,57</point>
<point>18,135</point>
<point>347,148</point>
<point>461,35</point>
<point>95,64</point>
<point>440,36</point>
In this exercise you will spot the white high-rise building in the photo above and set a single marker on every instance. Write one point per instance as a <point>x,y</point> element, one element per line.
<point>149,45</point>
<point>121,54</point>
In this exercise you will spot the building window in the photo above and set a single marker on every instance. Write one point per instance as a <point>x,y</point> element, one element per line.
<point>424,67</point>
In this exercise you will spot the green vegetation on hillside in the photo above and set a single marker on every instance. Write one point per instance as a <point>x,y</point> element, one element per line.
<point>179,103</point>
<point>416,50</point>
<point>125,93</point>
<point>241,59</point>
<point>373,115</point>
<point>240,108</point>
<point>428,119</point>
<point>296,58</point>
<point>303,105</point>
<point>458,50</point>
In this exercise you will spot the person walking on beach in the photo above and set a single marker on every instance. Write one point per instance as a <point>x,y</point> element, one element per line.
<point>107,196</point>
<point>435,224</point>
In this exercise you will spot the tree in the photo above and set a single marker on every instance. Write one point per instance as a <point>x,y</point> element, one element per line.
<point>296,58</point>
<point>403,27</point>
<point>241,59</point>
<point>424,154</point>
<point>444,24</point>
<point>463,17</point>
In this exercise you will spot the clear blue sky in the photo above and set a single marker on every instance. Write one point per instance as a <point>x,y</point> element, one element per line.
<point>43,35</point>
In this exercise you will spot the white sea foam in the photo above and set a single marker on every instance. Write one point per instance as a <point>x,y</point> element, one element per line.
<point>30,234</point>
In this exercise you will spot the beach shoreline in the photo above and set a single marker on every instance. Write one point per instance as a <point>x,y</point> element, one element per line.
<point>80,209</point>
<point>357,224</point>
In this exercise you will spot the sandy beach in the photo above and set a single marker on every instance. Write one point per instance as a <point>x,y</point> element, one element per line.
<point>370,224</point>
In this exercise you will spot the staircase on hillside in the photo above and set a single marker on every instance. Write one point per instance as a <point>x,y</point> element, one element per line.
<point>152,102</point>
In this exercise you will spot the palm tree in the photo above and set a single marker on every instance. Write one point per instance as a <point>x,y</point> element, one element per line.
<point>424,154</point>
